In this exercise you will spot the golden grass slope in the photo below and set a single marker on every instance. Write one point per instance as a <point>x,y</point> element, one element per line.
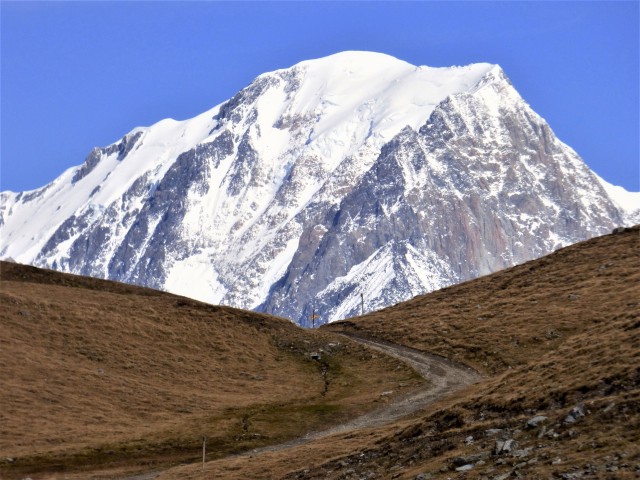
<point>553,336</point>
<point>517,315</point>
<point>101,375</point>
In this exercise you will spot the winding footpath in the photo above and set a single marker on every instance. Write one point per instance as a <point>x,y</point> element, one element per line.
<point>444,377</point>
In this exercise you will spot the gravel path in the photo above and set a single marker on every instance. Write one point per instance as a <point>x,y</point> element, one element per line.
<point>444,377</point>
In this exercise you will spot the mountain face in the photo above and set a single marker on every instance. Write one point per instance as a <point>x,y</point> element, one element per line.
<point>348,182</point>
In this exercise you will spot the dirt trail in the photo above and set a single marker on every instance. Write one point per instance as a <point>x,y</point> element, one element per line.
<point>444,377</point>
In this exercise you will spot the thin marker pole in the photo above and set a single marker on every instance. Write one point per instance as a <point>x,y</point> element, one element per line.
<point>204,449</point>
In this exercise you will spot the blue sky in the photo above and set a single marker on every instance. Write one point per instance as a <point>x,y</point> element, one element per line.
<point>75,75</point>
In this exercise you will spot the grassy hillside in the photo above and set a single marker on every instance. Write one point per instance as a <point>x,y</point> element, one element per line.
<point>101,375</point>
<point>554,334</point>
<point>558,340</point>
<point>512,317</point>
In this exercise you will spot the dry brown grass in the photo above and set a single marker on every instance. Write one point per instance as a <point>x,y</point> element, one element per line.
<point>553,333</point>
<point>508,318</point>
<point>99,374</point>
<point>549,335</point>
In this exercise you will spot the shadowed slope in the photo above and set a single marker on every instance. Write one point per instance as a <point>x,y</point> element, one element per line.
<point>101,374</point>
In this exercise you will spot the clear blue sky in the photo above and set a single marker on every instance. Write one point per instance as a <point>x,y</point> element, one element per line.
<point>75,75</point>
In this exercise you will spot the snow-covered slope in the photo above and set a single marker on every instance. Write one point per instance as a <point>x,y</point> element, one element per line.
<point>627,202</point>
<point>352,174</point>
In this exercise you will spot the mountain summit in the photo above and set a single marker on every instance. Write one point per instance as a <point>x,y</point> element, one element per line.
<point>344,183</point>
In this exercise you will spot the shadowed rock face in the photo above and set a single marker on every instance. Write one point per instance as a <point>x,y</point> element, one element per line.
<point>271,209</point>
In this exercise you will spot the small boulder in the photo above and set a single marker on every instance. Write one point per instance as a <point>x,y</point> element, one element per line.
<point>574,415</point>
<point>535,421</point>
<point>525,452</point>
<point>464,468</point>
<point>503,476</point>
<point>506,446</point>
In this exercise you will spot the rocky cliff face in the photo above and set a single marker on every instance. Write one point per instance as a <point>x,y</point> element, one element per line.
<point>352,177</point>
<point>484,184</point>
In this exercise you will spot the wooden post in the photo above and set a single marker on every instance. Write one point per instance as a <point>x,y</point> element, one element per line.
<point>362,304</point>
<point>204,449</point>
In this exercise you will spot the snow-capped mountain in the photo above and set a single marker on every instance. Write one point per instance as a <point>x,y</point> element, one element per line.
<point>347,178</point>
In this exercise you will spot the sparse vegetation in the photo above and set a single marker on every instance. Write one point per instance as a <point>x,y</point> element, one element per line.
<point>104,375</point>
<point>557,339</point>
<point>554,335</point>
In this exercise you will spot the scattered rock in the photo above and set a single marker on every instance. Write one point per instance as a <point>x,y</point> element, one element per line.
<point>506,446</point>
<point>611,467</point>
<point>469,440</point>
<point>424,476</point>
<point>551,433</point>
<point>535,421</point>
<point>574,415</point>
<point>468,459</point>
<point>571,476</point>
<point>492,432</point>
